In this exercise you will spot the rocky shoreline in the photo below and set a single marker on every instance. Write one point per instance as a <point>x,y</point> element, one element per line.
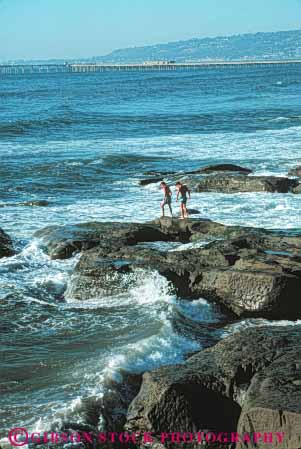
<point>249,382</point>
<point>229,178</point>
<point>249,272</point>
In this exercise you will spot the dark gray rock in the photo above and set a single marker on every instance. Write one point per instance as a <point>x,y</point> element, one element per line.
<point>295,172</point>
<point>228,178</point>
<point>223,168</point>
<point>193,211</point>
<point>195,229</point>
<point>116,400</point>
<point>241,183</point>
<point>61,242</point>
<point>97,276</point>
<point>6,245</point>
<point>159,176</point>
<point>249,292</point>
<point>247,282</point>
<point>240,272</point>
<point>249,382</point>
<point>36,203</point>
<point>145,182</point>
<point>159,173</point>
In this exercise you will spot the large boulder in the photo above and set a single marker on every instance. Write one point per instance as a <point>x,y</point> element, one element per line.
<point>248,384</point>
<point>241,183</point>
<point>245,281</point>
<point>6,244</point>
<point>249,292</point>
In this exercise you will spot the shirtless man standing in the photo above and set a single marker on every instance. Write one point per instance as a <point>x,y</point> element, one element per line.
<point>166,198</point>
<point>183,191</point>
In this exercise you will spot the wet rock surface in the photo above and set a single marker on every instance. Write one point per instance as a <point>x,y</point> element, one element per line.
<point>116,400</point>
<point>247,271</point>
<point>228,178</point>
<point>241,183</point>
<point>6,245</point>
<point>224,168</point>
<point>207,169</point>
<point>61,242</point>
<point>247,383</point>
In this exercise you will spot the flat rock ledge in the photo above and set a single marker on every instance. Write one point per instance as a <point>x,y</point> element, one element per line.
<point>228,178</point>
<point>248,383</point>
<point>248,272</point>
<point>6,245</point>
<point>61,242</point>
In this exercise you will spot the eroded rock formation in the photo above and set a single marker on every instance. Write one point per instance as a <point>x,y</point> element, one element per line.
<point>247,383</point>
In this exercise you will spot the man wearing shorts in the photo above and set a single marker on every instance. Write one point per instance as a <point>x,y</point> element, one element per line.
<point>183,191</point>
<point>167,197</point>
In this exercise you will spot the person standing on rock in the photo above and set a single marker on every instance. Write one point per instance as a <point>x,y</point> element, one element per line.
<point>183,192</point>
<point>167,197</point>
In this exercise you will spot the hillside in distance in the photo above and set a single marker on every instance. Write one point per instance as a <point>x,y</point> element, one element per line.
<point>279,45</point>
<point>258,46</point>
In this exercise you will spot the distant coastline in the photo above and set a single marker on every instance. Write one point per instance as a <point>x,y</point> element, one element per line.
<point>266,46</point>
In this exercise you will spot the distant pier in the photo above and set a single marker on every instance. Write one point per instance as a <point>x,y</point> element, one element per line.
<point>20,69</point>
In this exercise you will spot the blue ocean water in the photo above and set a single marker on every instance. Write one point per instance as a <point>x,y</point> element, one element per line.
<point>82,142</point>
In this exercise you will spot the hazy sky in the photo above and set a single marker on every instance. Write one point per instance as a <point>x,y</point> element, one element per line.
<point>77,28</point>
